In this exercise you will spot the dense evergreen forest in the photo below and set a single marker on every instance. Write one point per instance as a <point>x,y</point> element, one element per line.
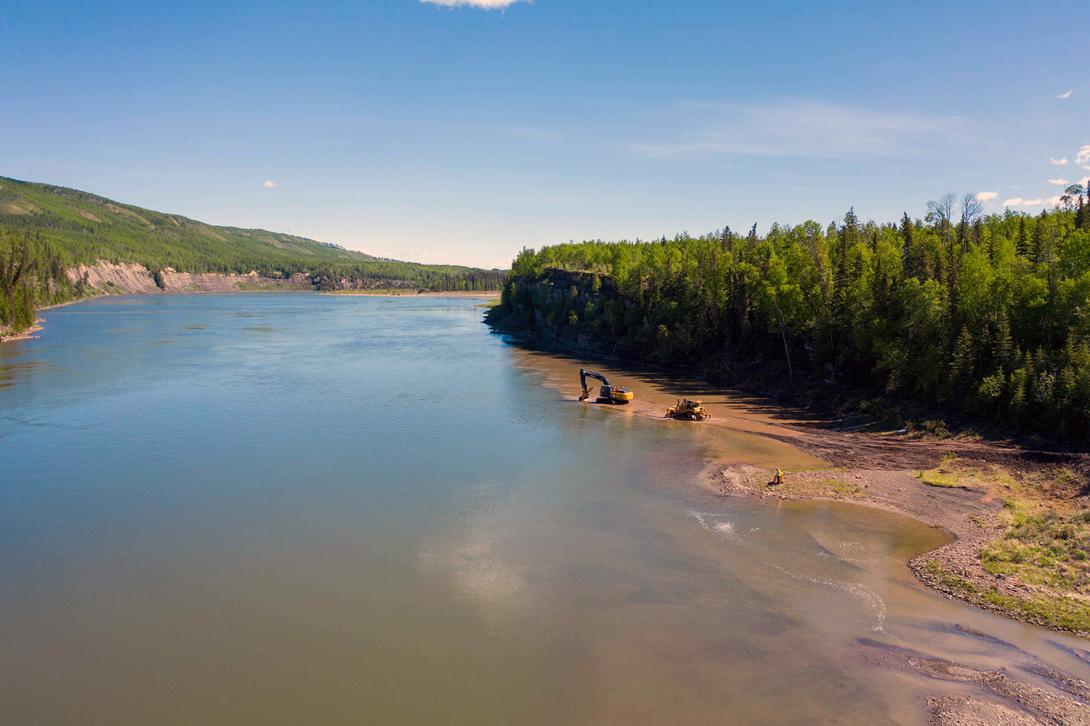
<point>31,276</point>
<point>45,229</point>
<point>985,316</point>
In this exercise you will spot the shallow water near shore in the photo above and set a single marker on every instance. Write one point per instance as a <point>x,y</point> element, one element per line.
<point>288,508</point>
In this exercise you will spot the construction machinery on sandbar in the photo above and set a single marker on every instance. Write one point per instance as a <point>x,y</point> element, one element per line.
<point>688,409</point>
<point>608,393</point>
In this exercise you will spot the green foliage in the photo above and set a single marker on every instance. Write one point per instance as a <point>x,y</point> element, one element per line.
<point>31,276</point>
<point>1055,610</point>
<point>1046,549</point>
<point>78,227</point>
<point>988,317</point>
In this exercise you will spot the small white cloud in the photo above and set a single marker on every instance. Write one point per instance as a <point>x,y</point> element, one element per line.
<point>1083,157</point>
<point>1059,162</point>
<point>1061,182</point>
<point>1065,95</point>
<point>483,4</point>
<point>270,184</point>
<point>986,196</point>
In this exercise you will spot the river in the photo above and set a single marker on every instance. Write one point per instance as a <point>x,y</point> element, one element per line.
<point>294,508</point>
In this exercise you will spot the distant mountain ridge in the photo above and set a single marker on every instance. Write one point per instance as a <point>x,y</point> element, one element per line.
<point>86,227</point>
<point>57,244</point>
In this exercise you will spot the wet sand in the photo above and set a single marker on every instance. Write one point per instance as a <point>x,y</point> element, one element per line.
<point>743,429</point>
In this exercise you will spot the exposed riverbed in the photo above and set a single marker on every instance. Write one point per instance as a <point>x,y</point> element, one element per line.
<point>303,508</point>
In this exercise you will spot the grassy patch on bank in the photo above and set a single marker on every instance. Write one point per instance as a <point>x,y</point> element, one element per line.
<point>1050,549</point>
<point>838,486</point>
<point>1055,610</point>
<point>950,474</point>
<point>1039,568</point>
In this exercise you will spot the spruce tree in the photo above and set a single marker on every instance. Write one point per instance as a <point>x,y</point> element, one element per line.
<point>962,365</point>
<point>1003,350</point>
<point>1022,244</point>
<point>1038,239</point>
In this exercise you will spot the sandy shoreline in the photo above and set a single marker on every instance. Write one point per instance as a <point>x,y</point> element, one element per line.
<point>749,437</point>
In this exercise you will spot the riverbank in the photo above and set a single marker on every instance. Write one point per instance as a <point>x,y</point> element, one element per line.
<point>989,498</point>
<point>1018,534</point>
<point>1004,506</point>
<point>6,336</point>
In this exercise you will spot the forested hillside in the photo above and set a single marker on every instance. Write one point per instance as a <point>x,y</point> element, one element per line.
<point>984,316</point>
<point>45,230</point>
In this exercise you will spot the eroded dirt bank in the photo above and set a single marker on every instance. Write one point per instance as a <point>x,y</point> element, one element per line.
<point>134,279</point>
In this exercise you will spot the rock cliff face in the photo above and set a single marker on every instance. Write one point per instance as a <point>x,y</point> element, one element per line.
<point>134,279</point>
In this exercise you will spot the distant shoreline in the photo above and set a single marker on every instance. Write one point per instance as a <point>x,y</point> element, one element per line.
<point>413,293</point>
<point>31,332</point>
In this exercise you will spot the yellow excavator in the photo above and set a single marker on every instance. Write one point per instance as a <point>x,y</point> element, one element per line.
<point>688,410</point>
<point>607,393</point>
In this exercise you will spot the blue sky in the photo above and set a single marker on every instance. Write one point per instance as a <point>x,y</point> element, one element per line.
<point>419,131</point>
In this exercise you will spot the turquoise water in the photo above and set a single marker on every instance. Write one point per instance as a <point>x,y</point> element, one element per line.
<point>291,508</point>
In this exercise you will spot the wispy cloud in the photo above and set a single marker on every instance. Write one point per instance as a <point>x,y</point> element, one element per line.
<point>1059,162</point>
<point>270,184</point>
<point>1065,95</point>
<point>1039,202</point>
<point>986,196</point>
<point>1061,182</point>
<point>1083,157</point>
<point>483,4</point>
<point>805,129</point>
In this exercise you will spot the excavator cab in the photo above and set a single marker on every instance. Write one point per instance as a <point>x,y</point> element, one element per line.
<point>689,410</point>
<point>607,393</point>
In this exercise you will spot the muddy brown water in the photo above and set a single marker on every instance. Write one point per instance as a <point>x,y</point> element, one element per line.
<point>312,509</point>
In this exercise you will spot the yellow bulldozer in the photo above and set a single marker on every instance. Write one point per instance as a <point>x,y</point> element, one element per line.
<point>688,410</point>
<point>607,393</point>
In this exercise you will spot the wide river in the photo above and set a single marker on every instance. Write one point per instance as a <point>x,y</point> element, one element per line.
<point>293,508</point>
